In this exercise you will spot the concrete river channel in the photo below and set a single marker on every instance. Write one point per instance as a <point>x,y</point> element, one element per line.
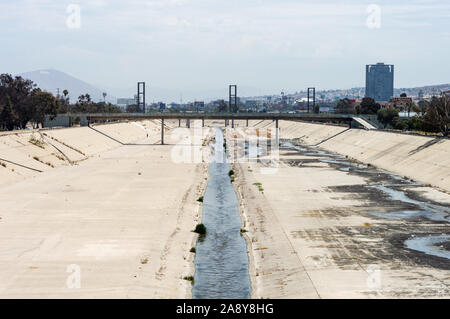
<point>221,261</point>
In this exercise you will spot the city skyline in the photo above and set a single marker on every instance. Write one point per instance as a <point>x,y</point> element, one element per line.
<point>190,46</point>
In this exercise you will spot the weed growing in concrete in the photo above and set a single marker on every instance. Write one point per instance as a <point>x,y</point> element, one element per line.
<point>50,164</point>
<point>189,278</point>
<point>231,174</point>
<point>259,185</point>
<point>36,142</point>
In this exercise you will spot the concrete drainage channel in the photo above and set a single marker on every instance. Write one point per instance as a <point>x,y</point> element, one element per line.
<point>221,261</point>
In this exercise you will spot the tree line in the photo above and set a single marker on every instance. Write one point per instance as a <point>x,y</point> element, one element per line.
<point>23,103</point>
<point>431,116</point>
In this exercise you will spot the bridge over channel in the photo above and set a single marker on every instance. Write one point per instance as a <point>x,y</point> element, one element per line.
<point>350,119</point>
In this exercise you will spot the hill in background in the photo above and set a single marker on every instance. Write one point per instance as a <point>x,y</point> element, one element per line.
<point>51,80</point>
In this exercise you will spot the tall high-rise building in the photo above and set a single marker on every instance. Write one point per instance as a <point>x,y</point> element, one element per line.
<point>380,81</point>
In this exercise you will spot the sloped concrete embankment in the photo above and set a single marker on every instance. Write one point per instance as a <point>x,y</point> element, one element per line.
<point>422,158</point>
<point>27,153</point>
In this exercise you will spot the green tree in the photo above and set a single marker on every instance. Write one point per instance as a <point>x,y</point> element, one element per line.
<point>423,106</point>
<point>16,91</point>
<point>344,106</point>
<point>43,104</point>
<point>400,124</point>
<point>64,105</point>
<point>387,116</point>
<point>317,108</point>
<point>222,107</point>
<point>369,106</point>
<point>8,120</point>
<point>437,117</point>
<point>134,108</point>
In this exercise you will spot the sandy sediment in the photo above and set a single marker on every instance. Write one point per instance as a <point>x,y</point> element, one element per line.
<point>122,215</point>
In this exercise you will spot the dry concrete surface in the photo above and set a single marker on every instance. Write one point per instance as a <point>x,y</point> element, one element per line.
<point>105,213</point>
<point>313,228</point>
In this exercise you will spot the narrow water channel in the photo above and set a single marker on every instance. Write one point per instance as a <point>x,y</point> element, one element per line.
<point>221,261</point>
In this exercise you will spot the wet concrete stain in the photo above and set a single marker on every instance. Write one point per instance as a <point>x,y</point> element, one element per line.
<point>412,221</point>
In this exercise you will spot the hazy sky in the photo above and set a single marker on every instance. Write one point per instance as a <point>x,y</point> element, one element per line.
<point>208,44</point>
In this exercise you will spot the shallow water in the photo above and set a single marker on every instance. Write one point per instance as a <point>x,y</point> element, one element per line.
<point>430,245</point>
<point>221,261</point>
<point>427,210</point>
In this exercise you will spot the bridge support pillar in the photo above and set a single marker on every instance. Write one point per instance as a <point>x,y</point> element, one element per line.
<point>203,122</point>
<point>179,122</point>
<point>162,131</point>
<point>226,123</point>
<point>247,123</point>
<point>188,123</point>
<point>277,137</point>
<point>232,123</point>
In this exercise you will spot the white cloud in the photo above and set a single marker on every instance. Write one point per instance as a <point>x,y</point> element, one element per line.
<point>174,42</point>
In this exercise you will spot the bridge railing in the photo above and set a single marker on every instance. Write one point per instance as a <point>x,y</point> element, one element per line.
<point>229,116</point>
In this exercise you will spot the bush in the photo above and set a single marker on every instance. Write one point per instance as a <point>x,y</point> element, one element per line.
<point>200,229</point>
<point>200,199</point>
<point>189,278</point>
<point>401,124</point>
<point>193,250</point>
<point>387,116</point>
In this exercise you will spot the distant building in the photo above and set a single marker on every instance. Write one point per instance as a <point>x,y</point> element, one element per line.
<point>420,95</point>
<point>199,105</point>
<point>251,104</point>
<point>124,102</point>
<point>161,106</point>
<point>380,81</point>
<point>401,103</point>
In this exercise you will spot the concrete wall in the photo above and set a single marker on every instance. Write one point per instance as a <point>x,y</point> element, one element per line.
<point>49,149</point>
<point>425,159</point>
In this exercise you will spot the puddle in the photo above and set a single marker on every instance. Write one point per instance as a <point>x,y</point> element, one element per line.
<point>427,210</point>
<point>411,214</point>
<point>431,245</point>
